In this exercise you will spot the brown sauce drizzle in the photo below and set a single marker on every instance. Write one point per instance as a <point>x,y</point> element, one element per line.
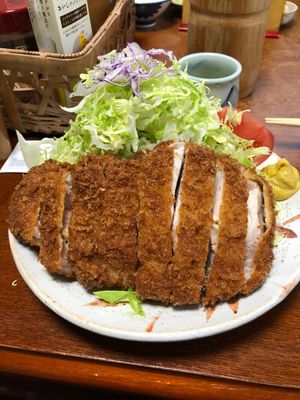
<point>234,305</point>
<point>209,312</point>
<point>291,219</point>
<point>101,303</point>
<point>152,323</point>
<point>287,233</point>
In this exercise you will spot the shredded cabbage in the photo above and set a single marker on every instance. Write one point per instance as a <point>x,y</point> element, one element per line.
<point>132,101</point>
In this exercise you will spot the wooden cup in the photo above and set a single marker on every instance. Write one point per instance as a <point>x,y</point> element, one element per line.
<point>233,27</point>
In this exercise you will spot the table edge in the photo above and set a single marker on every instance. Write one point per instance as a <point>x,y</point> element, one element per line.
<point>142,381</point>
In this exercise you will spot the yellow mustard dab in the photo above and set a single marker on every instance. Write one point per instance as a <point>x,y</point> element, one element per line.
<point>283,177</point>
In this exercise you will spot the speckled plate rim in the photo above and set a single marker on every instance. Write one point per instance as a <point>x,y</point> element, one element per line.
<point>72,302</point>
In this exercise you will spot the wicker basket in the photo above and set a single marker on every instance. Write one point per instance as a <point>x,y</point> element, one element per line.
<point>27,78</point>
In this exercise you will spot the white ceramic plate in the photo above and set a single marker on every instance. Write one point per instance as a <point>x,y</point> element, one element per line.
<point>161,323</point>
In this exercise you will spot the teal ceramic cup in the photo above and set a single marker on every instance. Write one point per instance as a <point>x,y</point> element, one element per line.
<point>219,72</point>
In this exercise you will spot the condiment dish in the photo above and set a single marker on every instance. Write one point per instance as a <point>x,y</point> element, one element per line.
<point>290,9</point>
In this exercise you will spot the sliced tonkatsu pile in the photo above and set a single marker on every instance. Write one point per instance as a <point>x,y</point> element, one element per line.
<point>179,223</point>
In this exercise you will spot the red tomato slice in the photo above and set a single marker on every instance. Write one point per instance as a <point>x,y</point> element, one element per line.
<point>252,129</point>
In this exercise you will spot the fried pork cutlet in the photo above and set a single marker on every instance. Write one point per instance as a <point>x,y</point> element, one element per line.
<point>179,223</point>
<point>192,225</point>
<point>25,204</point>
<point>102,239</point>
<point>156,208</point>
<point>226,272</point>
<point>54,221</point>
<point>260,235</point>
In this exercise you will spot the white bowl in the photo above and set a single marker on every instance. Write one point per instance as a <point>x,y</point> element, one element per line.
<point>289,12</point>
<point>147,11</point>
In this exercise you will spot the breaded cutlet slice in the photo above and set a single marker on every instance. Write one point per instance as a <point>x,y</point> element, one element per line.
<point>53,221</point>
<point>226,273</point>
<point>156,201</point>
<point>192,225</point>
<point>24,208</point>
<point>262,254</point>
<point>117,234</point>
<point>87,206</point>
<point>102,232</point>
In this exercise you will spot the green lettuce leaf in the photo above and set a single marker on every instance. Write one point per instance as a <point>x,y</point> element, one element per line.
<point>122,296</point>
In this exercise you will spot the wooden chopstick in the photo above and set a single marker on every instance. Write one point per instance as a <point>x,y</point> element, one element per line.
<point>283,121</point>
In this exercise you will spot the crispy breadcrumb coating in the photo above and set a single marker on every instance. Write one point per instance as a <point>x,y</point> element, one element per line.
<point>263,256</point>
<point>154,178</point>
<point>227,271</point>
<point>195,221</point>
<point>102,241</point>
<point>25,203</point>
<point>51,221</point>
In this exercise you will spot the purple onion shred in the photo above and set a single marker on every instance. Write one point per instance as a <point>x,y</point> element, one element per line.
<point>130,66</point>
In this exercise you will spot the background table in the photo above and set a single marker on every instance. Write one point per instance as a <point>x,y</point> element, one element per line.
<point>41,354</point>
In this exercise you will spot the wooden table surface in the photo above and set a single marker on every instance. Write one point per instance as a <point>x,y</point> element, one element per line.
<point>260,360</point>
